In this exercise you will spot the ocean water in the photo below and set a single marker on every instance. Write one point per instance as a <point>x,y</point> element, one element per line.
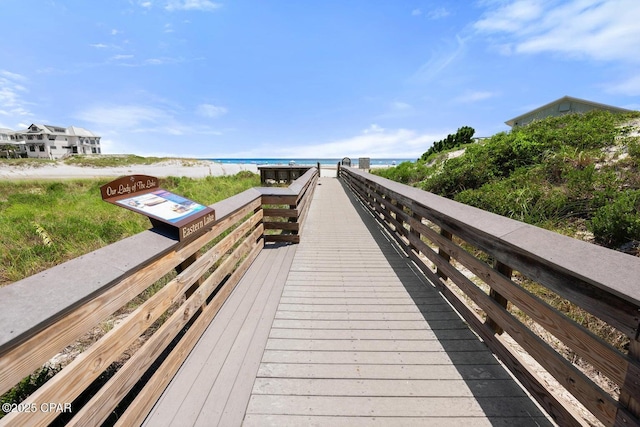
<point>306,162</point>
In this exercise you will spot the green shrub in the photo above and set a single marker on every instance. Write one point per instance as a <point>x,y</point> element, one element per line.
<point>618,222</point>
<point>532,202</point>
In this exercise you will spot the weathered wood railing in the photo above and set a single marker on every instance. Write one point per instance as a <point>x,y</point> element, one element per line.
<point>47,312</point>
<point>502,257</point>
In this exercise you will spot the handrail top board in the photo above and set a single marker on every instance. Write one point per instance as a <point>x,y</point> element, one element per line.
<point>37,301</point>
<point>607,269</point>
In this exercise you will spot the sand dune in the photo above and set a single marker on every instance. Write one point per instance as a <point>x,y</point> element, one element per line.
<point>191,169</point>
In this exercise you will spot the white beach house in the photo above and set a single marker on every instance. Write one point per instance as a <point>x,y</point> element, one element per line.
<point>54,142</point>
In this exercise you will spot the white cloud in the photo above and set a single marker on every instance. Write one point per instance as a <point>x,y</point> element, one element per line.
<point>433,14</point>
<point>605,30</point>
<point>400,106</point>
<point>99,45</point>
<point>123,116</point>
<point>12,76</point>
<point>162,61</point>
<point>168,28</point>
<point>209,110</point>
<point>474,96</point>
<point>373,142</point>
<point>374,128</point>
<point>629,87</point>
<point>12,105</point>
<point>138,128</point>
<point>120,57</point>
<point>146,4</point>
<point>439,61</point>
<point>113,146</point>
<point>511,17</point>
<point>203,5</point>
<point>438,13</point>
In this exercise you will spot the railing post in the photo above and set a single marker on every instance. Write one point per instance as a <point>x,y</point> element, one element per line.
<point>445,256</point>
<point>507,271</point>
<point>628,398</point>
<point>413,232</point>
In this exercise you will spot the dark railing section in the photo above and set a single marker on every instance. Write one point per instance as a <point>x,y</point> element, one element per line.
<point>147,286</point>
<point>279,174</point>
<point>285,209</point>
<point>486,264</point>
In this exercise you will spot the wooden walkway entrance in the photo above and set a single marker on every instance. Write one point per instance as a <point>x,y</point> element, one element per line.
<point>340,330</point>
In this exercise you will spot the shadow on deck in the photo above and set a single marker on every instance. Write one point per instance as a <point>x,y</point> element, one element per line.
<point>502,399</point>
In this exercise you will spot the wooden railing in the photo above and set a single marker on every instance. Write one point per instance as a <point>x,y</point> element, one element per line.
<point>148,297</point>
<point>486,265</point>
<point>282,173</point>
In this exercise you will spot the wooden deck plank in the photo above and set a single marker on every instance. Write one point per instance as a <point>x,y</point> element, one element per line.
<point>399,372</point>
<point>266,420</point>
<point>471,345</point>
<point>361,337</point>
<point>389,387</point>
<point>171,400</point>
<point>435,306</point>
<point>415,316</point>
<point>244,359</point>
<point>385,406</point>
<point>370,334</point>
<point>360,301</point>
<point>384,358</point>
<point>219,369</point>
<point>379,325</point>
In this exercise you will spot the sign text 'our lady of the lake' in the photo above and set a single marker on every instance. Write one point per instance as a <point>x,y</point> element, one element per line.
<point>140,193</point>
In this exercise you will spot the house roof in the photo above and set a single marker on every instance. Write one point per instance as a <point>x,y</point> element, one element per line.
<point>595,105</point>
<point>59,130</point>
<point>41,129</point>
<point>78,131</point>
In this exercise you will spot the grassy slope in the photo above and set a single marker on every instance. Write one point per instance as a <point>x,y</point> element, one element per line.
<point>48,222</point>
<point>578,175</point>
<point>566,173</point>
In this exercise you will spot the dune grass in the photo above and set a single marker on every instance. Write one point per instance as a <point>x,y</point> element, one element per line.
<point>44,223</point>
<point>104,161</point>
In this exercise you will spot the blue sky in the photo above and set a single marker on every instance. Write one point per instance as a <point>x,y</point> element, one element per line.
<point>301,78</point>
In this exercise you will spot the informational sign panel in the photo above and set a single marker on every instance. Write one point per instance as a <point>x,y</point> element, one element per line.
<point>140,193</point>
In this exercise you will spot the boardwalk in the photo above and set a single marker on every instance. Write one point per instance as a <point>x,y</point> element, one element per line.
<point>340,330</point>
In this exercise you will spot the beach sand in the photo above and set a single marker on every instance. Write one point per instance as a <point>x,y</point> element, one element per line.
<point>175,167</point>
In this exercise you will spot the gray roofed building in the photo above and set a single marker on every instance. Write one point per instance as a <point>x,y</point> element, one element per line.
<point>564,105</point>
